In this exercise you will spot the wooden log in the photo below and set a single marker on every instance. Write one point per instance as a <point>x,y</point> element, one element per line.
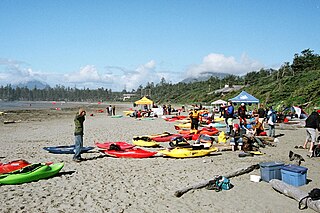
<point>203,184</point>
<point>295,193</point>
<point>11,122</point>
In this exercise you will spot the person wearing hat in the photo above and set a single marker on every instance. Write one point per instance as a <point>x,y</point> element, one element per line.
<point>312,124</point>
<point>78,134</point>
<point>236,139</point>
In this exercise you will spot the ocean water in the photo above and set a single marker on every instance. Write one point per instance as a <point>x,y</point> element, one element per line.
<point>25,105</point>
<point>20,105</point>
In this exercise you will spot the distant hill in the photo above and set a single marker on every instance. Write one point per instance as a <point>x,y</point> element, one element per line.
<point>32,84</point>
<point>204,77</point>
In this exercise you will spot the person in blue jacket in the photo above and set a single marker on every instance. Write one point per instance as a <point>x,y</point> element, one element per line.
<point>229,114</point>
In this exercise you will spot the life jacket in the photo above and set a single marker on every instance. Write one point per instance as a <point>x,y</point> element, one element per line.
<point>194,114</point>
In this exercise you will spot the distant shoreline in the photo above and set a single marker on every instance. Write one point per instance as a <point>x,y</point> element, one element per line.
<point>35,105</point>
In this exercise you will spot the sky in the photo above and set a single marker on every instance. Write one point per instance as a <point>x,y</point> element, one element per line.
<point>121,44</point>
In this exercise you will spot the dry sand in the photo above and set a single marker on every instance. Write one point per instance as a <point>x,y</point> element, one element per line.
<point>106,184</point>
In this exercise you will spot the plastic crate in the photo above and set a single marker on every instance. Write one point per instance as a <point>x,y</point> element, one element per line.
<point>294,175</point>
<point>270,170</point>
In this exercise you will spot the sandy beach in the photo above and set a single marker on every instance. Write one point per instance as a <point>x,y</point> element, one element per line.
<point>106,184</point>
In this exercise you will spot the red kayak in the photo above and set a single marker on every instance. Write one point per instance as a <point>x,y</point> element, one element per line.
<point>13,166</point>
<point>122,145</point>
<point>165,138</point>
<point>207,131</point>
<point>129,153</point>
<point>211,133</point>
<point>175,118</point>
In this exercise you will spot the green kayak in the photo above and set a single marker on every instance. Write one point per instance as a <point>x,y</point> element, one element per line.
<point>30,173</point>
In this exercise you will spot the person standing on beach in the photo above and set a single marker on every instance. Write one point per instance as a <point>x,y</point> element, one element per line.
<point>194,116</point>
<point>242,110</point>
<point>110,110</point>
<point>78,134</point>
<point>272,118</point>
<point>113,110</point>
<point>312,124</point>
<point>229,114</point>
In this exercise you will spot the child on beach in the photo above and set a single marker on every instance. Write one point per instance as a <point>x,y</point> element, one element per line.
<point>78,134</point>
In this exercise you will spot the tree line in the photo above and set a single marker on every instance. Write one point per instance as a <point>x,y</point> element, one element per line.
<point>58,93</point>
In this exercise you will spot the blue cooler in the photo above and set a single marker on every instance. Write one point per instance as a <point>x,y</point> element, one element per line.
<point>294,175</point>
<point>270,170</point>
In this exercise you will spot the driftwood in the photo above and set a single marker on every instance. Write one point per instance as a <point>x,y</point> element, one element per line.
<point>203,184</point>
<point>11,122</point>
<point>295,193</point>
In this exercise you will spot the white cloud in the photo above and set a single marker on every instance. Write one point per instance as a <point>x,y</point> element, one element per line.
<point>118,78</point>
<point>140,76</point>
<point>88,74</point>
<point>14,72</point>
<point>220,63</point>
<point>114,77</point>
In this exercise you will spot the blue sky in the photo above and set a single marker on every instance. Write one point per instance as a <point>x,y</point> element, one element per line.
<point>123,44</point>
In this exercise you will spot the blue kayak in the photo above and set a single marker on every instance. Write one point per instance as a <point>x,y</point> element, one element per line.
<point>66,149</point>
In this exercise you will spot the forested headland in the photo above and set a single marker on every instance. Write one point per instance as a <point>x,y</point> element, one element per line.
<point>295,83</point>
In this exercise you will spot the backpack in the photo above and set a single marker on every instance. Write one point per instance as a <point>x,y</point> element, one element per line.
<point>314,194</point>
<point>316,151</point>
<point>219,183</point>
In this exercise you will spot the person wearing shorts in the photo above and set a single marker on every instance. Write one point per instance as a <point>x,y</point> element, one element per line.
<point>312,124</point>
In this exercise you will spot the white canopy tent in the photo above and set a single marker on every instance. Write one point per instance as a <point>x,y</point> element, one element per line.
<point>219,102</point>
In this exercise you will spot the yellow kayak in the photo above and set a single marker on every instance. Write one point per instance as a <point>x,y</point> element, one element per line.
<point>219,119</point>
<point>129,112</point>
<point>184,121</point>
<point>145,143</point>
<point>187,152</point>
<point>183,126</point>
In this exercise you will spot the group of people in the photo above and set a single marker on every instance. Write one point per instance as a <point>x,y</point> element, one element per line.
<point>255,119</point>
<point>143,113</point>
<point>235,131</point>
